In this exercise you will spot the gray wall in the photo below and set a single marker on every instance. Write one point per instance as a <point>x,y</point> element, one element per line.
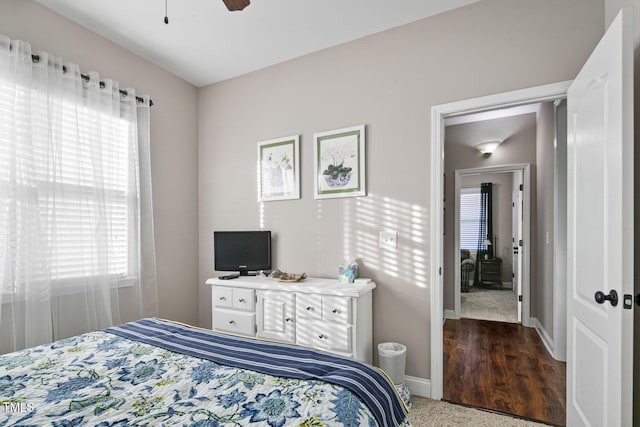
<point>388,81</point>
<point>174,142</point>
<point>542,288</point>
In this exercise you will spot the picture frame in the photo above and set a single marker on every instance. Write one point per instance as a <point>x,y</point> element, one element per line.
<point>339,163</point>
<point>279,169</point>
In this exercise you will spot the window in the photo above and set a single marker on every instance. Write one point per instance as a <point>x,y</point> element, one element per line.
<point>76,209</point>
<point>470,205</point>
<point>76,171</point>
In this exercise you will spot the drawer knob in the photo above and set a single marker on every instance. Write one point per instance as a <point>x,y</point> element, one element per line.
<point>232,322</point>
<point>241,300</point>
<point>288,319</point>
<point>334,311</point>
<point>222,298</point>
<point>322,336</point>
<point>309,308</point>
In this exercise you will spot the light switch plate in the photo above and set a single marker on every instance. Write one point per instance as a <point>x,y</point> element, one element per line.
<point>389,239</point>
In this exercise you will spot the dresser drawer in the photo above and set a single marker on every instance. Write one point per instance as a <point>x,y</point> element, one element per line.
<point>308,306</point>
<point>236,298</point>
<point>234,321</point>
<point>222,297</point>
<point>332,337</point>
<point>336,309</point>
<point>243,299</point>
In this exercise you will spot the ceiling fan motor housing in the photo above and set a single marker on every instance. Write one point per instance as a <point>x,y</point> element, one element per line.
<point>233,5</point>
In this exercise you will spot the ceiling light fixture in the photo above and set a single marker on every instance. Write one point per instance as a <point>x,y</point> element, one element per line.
<point>487,147</point>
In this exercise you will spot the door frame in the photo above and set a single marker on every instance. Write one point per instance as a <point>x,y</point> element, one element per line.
<point>560,232</point>
<point>525,169</point>
<point>542,93</point>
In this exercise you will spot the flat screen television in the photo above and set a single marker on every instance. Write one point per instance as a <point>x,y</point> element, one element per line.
<point>243,251</point>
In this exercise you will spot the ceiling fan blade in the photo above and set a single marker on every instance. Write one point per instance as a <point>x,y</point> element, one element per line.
<point>236,4</point>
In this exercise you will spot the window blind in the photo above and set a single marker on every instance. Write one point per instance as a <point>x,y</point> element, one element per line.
<point>469,217</point>
<point>80,165</point>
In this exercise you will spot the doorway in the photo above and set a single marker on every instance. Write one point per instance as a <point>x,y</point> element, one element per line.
<point>530,134</point>
<point>439,113</point>
<point>501,300</point>
<point>600,104</point>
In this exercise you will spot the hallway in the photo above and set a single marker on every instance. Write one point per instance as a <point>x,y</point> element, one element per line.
<point>503,367</point>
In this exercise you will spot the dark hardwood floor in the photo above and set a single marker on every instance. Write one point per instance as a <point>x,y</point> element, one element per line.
<point>503,367</point>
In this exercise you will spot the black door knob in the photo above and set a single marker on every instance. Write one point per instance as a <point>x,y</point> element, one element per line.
<point>612,297</point>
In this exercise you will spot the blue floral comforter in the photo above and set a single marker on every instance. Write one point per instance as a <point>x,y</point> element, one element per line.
<point>105,379</point>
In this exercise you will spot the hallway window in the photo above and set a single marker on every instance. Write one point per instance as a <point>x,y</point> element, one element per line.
<point>469,217</point>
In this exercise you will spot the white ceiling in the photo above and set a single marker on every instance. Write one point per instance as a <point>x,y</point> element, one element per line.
<point>500,124</point>
<point>205,43</point>
<point>500,127</point>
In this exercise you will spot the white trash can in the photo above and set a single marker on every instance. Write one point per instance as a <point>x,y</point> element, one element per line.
<point>392,357</point>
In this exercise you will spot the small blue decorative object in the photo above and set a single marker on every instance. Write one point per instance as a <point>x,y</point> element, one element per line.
<point>348,273</point>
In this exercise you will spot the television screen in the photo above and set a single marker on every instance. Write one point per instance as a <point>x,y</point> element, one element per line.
<point>242,251</point>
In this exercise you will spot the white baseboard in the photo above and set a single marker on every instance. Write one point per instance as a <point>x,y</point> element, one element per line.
<point>418,386</point>
<point>544,336</point>
<point>450,314</point>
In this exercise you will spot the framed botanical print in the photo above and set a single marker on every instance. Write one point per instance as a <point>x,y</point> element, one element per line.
<point>339,163</point>
<point>279,169</point>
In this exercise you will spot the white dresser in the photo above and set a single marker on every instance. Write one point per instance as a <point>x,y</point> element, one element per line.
<point>319,313</point>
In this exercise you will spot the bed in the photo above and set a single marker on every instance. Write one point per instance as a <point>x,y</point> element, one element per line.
<point>156,372</point>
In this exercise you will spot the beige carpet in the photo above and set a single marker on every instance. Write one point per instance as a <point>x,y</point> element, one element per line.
<point>500,305</point>
<point>427,412</point>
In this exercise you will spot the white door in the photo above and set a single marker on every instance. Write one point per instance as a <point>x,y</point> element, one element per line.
<point>516,225</point>
<point>600,233</point>
<point>275,316</point>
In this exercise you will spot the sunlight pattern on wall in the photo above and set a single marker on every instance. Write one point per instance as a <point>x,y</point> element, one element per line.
<point>261,215</point>
<point>365,217</point>
<point>261,212</point>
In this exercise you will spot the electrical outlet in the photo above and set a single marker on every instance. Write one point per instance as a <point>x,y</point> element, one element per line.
<point>389,239</point>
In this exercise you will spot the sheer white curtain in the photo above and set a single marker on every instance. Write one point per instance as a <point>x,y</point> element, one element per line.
<point>76,231</point>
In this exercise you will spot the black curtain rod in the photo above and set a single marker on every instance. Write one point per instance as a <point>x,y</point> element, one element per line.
<point>85,77</point>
